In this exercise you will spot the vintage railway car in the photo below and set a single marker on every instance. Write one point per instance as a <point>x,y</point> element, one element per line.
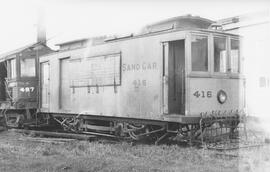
<point>158,81</point>
<point>19,82</point>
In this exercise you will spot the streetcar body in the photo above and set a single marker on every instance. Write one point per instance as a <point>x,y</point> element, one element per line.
<point>164,74</point>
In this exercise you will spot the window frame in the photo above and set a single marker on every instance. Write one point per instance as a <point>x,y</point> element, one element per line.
<point>235,74</point>
<point>210,73</point>
<point>11,68</point>
<point>200,73</point>
<point>219,74</point>
<point>74,83</point>
<point>104,56</point>
<point>20,67</point>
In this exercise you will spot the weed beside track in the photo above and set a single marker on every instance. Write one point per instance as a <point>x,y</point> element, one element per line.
<point>23,153</point>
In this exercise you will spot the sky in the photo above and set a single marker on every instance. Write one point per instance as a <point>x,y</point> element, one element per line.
<point>72,19</point>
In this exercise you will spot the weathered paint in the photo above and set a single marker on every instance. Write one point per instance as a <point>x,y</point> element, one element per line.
<point>207,89</point>
<point>140,93</point>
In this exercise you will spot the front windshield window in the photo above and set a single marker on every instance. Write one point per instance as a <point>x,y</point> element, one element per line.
<point>220,55</point>
<point>199,53</point>
<point>235,54</point>
<point>28,67</point>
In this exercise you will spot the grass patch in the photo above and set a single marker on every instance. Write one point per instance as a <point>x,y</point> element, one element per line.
<point>20,154</point>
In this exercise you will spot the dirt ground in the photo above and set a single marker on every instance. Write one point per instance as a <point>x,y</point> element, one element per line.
<point>27,154</point>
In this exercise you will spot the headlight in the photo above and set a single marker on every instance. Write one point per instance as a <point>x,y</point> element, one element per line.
<point>221,96</point>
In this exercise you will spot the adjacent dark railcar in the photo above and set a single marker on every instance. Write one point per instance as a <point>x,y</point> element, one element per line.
<point>19,76</point>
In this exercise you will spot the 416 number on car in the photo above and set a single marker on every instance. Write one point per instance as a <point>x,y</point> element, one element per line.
<point>202,94</point>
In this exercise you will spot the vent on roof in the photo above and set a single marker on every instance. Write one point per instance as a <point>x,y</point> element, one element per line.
<point>216,26</point>
<point>184,22</point>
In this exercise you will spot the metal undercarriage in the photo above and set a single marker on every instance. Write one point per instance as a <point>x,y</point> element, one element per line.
<point>206,130</point>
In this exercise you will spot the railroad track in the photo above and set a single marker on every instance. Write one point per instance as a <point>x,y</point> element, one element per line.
<point>107,138</point>
<point>55,134</point>
<point>61,136</point>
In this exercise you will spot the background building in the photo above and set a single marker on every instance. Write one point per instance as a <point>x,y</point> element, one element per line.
<point>254,27</point>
